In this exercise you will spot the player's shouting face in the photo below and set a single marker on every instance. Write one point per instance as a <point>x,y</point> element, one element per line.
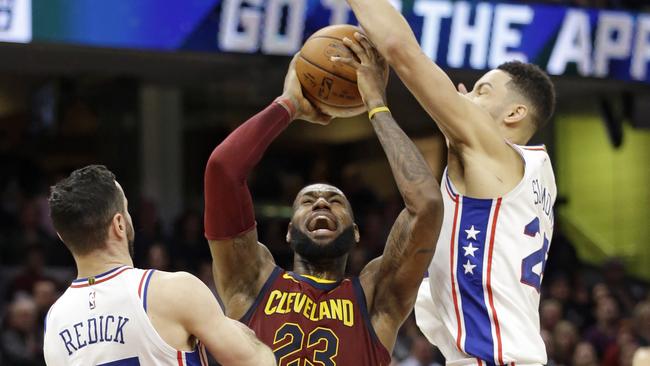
<point>322,227</point>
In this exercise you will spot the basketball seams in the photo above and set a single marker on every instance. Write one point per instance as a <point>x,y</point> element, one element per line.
<point>328,37</point>
<point>326,71</point>
<point>330,104</point>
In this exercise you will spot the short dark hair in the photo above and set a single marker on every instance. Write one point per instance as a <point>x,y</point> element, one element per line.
<point>533,83</point>
<point>82,206</point>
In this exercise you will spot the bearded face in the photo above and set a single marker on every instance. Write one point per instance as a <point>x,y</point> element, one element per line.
<point>322,227</point>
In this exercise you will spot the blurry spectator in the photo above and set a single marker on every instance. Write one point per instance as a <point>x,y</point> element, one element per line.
<point>550,313</point>
<point>621,288</point>
<point>30,274</point>
<point>624,345</point>
<point>374,232</point>
<point>560,288</point>
<point>642,323</point>
<point>357,260</point>
<point>627,354</point>
<point>604,332</point>
<point>421,354</point>
<point>158,257</point>
<point>362,198</point>
<point>585,355</point>
<point>565,338</point>
<point>600,291</point>
<point>45,294</point>
<point>204,273</point>
<point>20,342</point>
<point>31,231</point>
<point>189,244</point>
<point>547,336</point>
<point>149,229</point>
<point>641,357</point>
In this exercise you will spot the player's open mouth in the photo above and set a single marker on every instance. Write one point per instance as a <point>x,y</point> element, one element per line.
<point>321,223</point>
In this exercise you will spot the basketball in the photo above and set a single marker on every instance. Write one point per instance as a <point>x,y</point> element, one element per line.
<point>331,87</point>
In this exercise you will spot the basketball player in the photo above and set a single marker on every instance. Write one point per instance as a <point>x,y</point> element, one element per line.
<point>114,314</point>
<point>481,305</point>
<point>313,315</point>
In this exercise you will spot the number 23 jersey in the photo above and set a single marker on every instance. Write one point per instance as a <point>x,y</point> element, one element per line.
<point>480,306</point>
<point>307,321</point>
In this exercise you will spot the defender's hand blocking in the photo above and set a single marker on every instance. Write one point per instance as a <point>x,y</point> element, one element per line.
<point>293,91</point>
<point>371,70</point>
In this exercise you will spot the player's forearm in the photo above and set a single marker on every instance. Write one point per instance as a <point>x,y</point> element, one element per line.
<point>414,179</point>
<point>384,25</point>
<point>259,355</point>
<point>228,204</point>
<point>243,348</point>
<point>264,356</point>
<point>392,36</point>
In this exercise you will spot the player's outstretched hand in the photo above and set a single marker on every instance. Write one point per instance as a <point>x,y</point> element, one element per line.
<point>293,91</point>
<point>371,70</point>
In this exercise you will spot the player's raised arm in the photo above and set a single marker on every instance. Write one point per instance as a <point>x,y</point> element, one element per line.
<point>397,274</point>
<point>240,264</point>
<point>462,122</point>
<point>183,299</point>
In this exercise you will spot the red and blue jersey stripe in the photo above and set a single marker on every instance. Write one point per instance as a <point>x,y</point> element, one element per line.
<point>472,248</point>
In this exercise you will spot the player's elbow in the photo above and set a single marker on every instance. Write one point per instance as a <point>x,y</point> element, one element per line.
<point>267,358</point>
<point>393,49</point>
<point>218,167</point>
<point>430,204</point>
<point>398,53</point>
<point>261,355</point>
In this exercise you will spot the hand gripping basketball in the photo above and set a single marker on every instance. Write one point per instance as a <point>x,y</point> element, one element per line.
<point>331,86</point>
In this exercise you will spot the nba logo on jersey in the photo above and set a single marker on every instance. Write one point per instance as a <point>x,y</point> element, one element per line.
<point>91,300</point>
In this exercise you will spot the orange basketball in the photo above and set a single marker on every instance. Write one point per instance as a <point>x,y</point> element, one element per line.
<point>331,87</point>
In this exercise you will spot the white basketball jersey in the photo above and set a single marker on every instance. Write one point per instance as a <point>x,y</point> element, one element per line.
<point>480,304</point>
<point>102,321</point>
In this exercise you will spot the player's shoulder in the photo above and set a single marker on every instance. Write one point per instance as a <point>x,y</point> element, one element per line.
<point>171,281</point>
<point>178,292</point>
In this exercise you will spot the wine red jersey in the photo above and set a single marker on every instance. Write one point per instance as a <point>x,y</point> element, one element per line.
<point>307,321</point>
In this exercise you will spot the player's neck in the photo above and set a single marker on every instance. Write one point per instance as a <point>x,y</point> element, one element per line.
<point>333,270</point>
<point>98,262</point>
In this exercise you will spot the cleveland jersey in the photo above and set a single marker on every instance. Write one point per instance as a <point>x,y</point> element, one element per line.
<point>102,320</point>
<point>308,322</point>
<point>481,304</point>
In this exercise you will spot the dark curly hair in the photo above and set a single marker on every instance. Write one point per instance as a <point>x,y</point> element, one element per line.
<point>82,206</point>
<point>534,84</point>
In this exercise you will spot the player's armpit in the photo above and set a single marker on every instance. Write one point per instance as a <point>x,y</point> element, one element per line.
<point>238,262</point>
<point>397,274</point>
<point>409,249</point>
<point>240,267</point>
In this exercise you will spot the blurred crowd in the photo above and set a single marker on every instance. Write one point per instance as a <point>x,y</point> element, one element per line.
<point>589,316</point>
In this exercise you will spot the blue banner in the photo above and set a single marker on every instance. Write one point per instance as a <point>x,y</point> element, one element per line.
<point>456,34</point>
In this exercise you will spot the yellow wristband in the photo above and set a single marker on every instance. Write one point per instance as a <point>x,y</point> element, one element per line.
<point>374,111</point>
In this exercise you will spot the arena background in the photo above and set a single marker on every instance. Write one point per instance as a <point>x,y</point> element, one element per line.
<point>149,87</point>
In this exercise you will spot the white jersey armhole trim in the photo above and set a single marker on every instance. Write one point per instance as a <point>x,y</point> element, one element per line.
<point>509,195</point>
<point>150,331</point>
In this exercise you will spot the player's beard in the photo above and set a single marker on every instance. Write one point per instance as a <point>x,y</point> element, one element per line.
<point>130,237</point>
<point>302,244</point>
